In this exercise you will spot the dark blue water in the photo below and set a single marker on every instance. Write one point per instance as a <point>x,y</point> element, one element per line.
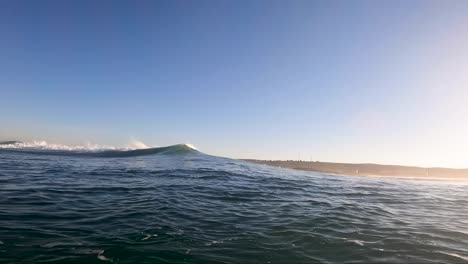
<point>182,206</point>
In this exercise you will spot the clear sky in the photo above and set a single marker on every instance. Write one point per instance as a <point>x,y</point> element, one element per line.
<point>347,81</point>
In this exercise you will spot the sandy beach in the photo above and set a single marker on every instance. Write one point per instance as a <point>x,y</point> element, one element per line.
<point>368,169</point>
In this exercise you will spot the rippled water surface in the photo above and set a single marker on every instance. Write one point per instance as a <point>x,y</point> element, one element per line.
<point>193,208</point>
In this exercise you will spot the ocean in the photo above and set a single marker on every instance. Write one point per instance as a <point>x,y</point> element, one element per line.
<point>179,205</point>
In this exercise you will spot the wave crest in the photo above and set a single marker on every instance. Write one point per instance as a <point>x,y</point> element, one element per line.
<point>135,148</point>
<point>44,145</point>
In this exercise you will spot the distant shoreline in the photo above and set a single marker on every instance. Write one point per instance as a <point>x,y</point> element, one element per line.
<point>367,169</point>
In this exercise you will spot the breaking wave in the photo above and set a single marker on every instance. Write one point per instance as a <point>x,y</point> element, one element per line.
<point>134,148</point>
<point>44,145</point>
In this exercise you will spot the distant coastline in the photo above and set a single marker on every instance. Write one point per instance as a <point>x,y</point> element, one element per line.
<point>366,169</point>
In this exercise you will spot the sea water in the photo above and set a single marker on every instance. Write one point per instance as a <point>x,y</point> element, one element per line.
<point>179,205</point>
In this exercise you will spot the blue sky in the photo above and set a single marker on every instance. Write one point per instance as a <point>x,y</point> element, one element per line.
<point>348,81</point>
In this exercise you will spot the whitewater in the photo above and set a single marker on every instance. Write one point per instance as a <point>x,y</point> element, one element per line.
<point>176,204</point>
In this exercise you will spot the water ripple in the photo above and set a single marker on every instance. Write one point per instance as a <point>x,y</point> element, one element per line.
<point>195,208</point>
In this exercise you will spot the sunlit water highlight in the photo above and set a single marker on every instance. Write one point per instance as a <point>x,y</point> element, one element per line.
<point>182,206</point>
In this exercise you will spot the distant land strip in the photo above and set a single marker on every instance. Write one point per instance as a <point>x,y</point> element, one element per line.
<point>366,169</point>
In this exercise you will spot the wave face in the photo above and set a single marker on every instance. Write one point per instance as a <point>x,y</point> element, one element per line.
<point>177,205</point>
<point>44,148</point>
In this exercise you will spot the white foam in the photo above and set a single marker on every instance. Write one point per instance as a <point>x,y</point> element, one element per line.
<point>358,242</point>
<point>103,258</point>
<point>44,145</point>
<point>190,146</point>
<point>213,242</point>
<point>355,241</point>
<point>136,144</point>
<point>148,236</point>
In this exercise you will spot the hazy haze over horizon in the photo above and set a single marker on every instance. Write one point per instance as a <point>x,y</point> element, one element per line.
<point>362,81</point>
